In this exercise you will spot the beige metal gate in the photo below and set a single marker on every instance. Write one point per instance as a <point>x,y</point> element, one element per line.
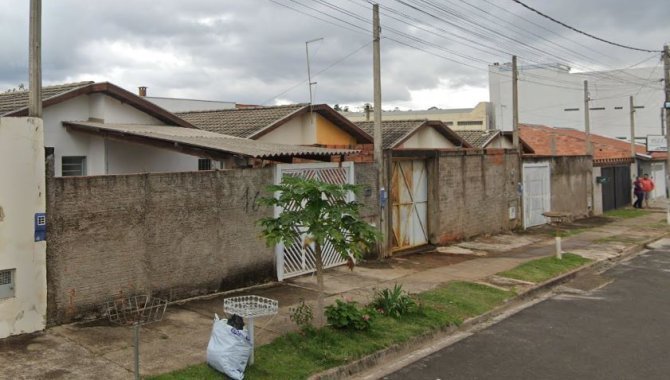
<point>296,259</point>
<point>409,200</point>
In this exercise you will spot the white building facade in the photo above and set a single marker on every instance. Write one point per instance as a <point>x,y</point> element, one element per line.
<point>552,95</point>
<point>23,283</point>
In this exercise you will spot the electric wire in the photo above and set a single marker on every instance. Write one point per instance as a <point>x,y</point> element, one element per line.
<point>582,32</point>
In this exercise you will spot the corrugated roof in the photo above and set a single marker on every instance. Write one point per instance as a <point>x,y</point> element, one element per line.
<point>206,140</point>
<point>478,139</point>
<point>243,122</point>
<point>12,101</point>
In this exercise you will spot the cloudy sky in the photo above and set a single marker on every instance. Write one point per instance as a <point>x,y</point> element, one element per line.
<point>434,52</point>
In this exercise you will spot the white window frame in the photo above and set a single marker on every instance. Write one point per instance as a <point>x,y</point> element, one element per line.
<point>7,283</point>
<point>81,164</point>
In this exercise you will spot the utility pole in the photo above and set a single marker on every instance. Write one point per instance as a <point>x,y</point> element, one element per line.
<point>515,104</point>
<point>666,84</point>
<point>35,63</point>
<point>587,121</point>
<point>377,135</point>
<point>632,127</point>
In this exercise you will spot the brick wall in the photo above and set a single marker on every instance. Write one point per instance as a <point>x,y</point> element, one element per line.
<point>176,234</point>
<point>473,194</point>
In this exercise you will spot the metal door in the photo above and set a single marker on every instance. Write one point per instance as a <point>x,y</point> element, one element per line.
<point>616,189</point>
<point>658,175</point>
<point>608,189</point>
<point>536,193</point>
<point>296,259</point>
<point>623,184</point>
<point>409,202</point>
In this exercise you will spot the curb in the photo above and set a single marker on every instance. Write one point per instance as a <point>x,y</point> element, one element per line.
<point>414,343</point>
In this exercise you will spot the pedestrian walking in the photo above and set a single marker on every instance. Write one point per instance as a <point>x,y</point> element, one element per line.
<point>638,191</point>
<point>647,186</point>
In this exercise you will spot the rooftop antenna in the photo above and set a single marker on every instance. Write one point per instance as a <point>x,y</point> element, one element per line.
<point>309,74</point>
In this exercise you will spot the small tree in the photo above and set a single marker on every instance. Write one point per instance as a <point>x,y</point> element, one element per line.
<point>321,213</point>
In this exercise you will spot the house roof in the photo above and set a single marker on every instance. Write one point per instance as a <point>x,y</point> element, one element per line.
<point>12,101</point>
<point>478,139</point>
<point>199,142</point>
<point>395,132</point>
<point>254,122</point>
<point>15,106</point>
<point>571,142</point>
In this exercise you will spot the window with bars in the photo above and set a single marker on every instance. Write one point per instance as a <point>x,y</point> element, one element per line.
<point>204,164</point>
<point>7,283</point>
<point>73,166</point>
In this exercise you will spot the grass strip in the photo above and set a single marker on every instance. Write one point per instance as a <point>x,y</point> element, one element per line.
<point>297,356</point>
<point>626,213</point>
<point>543,269</point>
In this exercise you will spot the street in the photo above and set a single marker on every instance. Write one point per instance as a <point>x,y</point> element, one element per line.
<point>619,330</point>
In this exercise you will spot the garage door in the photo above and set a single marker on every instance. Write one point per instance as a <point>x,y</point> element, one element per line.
<point>409,199</point>
<point>536,193</point>
<point>616,190</point>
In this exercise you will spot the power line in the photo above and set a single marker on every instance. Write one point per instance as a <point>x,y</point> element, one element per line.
<point>319,72</point>
<point>487,34</point>
<point>582,32</point>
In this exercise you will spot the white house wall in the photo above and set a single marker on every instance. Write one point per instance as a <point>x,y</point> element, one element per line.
<point>105,156</point>
<point>427,138</point>
<point>114,111</point>
<point>297,131</point>
<point>129,158</point>
<point>67,143</point>
<point>500,142</point>
<point>22,194</point>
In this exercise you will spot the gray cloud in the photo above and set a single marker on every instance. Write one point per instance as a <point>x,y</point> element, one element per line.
<point>250,51</point>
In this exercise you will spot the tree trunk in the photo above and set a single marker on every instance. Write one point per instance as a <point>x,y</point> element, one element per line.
<point>319,279</point>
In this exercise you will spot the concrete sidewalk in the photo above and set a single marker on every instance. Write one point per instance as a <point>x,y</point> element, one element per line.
<point>99,350</point>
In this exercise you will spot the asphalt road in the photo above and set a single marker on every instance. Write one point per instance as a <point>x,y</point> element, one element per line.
<point>618,331</point>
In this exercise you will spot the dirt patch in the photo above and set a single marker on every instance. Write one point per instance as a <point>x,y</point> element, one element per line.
<point>56,374</point>
<point>422,261</point>
<point>20,343</point>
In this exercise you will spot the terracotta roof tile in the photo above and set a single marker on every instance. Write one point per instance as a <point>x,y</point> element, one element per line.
<point>571,142</point>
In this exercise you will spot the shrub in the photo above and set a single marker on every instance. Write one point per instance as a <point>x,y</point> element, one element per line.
<point>347,315</point>
<point>393,302</point>
<point>302,315</point>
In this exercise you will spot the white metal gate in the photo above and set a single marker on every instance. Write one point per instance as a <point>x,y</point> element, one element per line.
<point>536,193</point>
<point>295,259</point>
<point>409,199</point>
<point>658,176</point>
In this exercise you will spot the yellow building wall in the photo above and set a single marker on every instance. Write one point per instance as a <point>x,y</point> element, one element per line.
<point>328,133</point>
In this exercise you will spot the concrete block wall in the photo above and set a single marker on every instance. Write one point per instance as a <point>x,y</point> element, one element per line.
<point>473,194</point>
<point>174,234</point>
<point>366,177</point>
<point>571,184</point>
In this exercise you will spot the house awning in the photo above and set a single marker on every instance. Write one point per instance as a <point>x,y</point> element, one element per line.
<point>201,143</point>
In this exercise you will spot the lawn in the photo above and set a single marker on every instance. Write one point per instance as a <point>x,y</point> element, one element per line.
<point>543,269</point>
<point>297,356</point>
<point>626,213</point>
